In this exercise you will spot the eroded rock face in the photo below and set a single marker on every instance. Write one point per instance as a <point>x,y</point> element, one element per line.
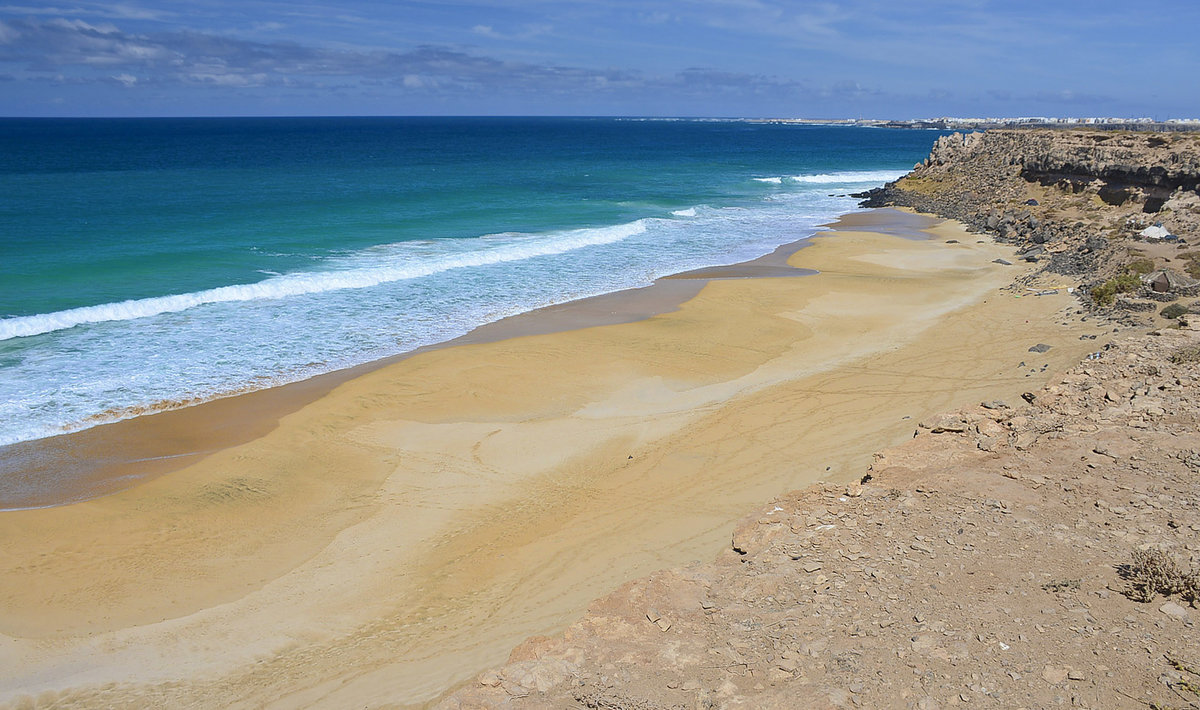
<point>980,562</point>
<point>1077,195</point>
<point>1155,163</point>
<point>1128,160</point>
<point>1138,164</point>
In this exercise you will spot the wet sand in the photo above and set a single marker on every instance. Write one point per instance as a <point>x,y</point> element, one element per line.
<point>404,529</point>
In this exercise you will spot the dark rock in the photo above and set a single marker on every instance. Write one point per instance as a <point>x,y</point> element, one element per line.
<point>1040,348</point>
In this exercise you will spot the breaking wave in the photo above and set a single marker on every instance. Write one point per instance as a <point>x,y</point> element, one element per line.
<point>503,248</point>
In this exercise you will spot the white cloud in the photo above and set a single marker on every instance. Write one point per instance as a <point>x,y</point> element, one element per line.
<point>80,25</point>
<point>526,33</point>
<point>229,80</point>
<point>118,11</point>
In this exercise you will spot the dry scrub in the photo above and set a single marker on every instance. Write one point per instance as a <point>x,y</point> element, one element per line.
<point>1153,572</point>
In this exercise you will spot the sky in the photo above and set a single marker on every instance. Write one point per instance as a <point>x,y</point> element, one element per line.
<point>720,58</point>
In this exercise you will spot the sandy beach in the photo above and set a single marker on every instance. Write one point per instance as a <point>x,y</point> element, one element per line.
<point>384,538</point>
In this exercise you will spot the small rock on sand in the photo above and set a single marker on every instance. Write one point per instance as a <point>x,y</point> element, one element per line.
<point>1174,610</point>
<point>1054,674</point>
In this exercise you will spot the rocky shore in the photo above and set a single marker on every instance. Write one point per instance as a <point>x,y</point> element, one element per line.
<point>1076,202</point>
<point>1035,553</point>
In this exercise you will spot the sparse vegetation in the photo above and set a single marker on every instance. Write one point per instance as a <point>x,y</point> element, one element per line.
<point>1184,686</point>
<point>1152,572</point>
<point>1173,311</point>
<point>1186,354</point>
<point>1141,266</point>
<point>1062,585</point>
<point>1106,293</point>
<point>1192,263</point>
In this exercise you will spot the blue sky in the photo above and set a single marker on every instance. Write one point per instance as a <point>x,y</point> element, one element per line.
<point>852,58</point>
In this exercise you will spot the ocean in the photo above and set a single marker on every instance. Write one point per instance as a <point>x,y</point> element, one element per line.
<point>153,262</point>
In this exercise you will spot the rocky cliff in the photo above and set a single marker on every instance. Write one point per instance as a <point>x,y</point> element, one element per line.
<point>1075,201</point>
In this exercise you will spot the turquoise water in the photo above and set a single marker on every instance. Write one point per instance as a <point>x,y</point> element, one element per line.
<point>158,260</point>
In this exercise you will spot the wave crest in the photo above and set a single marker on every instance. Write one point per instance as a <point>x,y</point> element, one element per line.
<point>838,178</point>
<point>850,176</point>
<point>508,248</point>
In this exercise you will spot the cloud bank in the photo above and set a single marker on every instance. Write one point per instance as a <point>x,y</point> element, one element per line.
<point>695,57</point>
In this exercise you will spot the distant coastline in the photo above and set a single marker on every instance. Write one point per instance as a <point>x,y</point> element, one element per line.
<point>980,124</point>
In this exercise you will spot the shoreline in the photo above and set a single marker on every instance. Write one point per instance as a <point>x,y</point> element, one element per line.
<point>1000,551</point>
<point>110,457</point>
<point>409,528</point>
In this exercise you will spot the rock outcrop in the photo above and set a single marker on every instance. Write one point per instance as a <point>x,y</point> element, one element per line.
<point>1073,200</point>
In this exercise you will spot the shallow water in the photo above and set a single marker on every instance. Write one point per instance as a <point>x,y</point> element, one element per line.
<point>158,261</point>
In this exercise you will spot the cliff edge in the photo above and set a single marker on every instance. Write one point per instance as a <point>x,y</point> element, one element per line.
<point>1097,206</point>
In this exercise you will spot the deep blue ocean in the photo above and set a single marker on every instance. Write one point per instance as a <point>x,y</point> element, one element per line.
<point>149,261</point>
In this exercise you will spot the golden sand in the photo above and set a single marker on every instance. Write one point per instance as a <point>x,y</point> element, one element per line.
<point>405,530</point>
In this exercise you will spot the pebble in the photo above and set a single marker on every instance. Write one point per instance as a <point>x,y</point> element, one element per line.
<point>1174,610</point>
<point>1054,674</point>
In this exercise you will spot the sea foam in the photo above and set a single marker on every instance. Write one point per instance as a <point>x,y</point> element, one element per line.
<point>492,249</point>
<point>846,177</point>
<point>850,176</point>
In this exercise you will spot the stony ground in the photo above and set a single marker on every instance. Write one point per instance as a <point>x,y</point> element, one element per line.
<point>989,562</point>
